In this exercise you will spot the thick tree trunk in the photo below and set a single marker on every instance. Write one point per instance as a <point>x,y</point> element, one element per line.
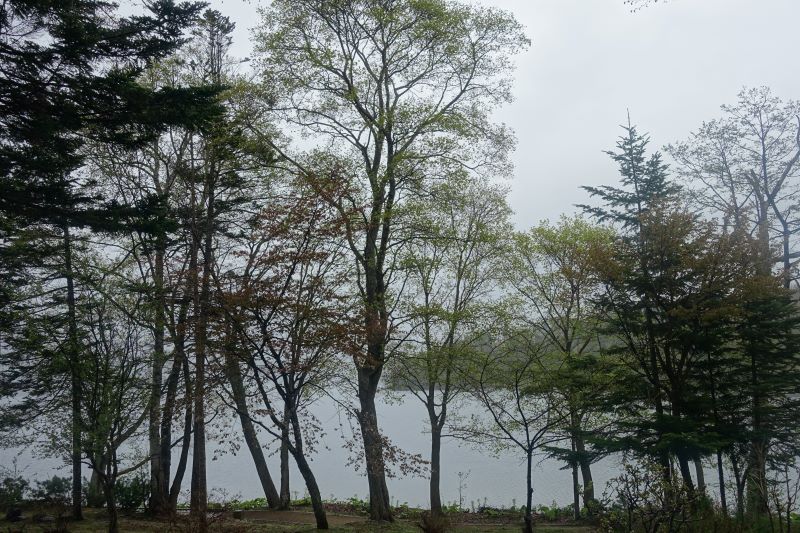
<point>379,503</point>
<point>436,468</point>
<point>700,475</point>
<point>250,435</point>
<point>75,378</point>
<point>111,508</point>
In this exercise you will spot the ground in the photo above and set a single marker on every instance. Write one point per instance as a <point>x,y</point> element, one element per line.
<point>263,522</point>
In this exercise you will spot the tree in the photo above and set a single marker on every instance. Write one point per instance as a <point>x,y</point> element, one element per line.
<point>451,269</point>
<point>744,167</point>
<point>392,90</point>
<point>115,388</point>
<point>554,273</point>
<point>57,90</point>
<point>287,321</point>
<point>510,380</point>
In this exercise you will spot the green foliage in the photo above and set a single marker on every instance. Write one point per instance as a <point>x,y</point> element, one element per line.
<point>54,490</point>
<point>132,491</point>
<point>12,490</point>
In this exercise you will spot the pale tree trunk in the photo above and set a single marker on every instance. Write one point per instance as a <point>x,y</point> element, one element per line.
<point>701,477</point>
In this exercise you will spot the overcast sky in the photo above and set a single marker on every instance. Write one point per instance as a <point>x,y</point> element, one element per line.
<point>672,64</point>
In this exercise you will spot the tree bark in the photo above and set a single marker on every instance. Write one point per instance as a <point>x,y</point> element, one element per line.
<point>721,475</point>
<point>379,504</point>
<point>700,475</point>
<point>159,499</point>
<point>576,490</point>
<point>586,474</point>
<point>250,435</point>
<point>528,524</point>
<point>75,378</point>
<point>285,496</point>
<point>436,468</point>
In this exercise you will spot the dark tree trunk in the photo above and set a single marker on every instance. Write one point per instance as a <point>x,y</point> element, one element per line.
<point>180,470</point>
<point>576,489</point>
<point>308,476</point>
<point>250,435</point>
<point>436,467</point>
<point>586,474</point>
<point>528,524</point>
<point>75,378</point>
<point>379,504</point>
<point>111,508</point>
<point>285,496</point>
<point>159,498</point>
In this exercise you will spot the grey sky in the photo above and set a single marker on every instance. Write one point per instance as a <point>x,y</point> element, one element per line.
<point>672,64</point>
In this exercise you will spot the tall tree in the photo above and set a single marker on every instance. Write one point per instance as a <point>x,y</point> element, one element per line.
<point>554,273</point>
<point>67,74</point>
<point>452,267</point>
<point>392,91</point>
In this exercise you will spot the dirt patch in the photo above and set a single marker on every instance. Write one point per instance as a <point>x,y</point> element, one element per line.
<point>299,517</point>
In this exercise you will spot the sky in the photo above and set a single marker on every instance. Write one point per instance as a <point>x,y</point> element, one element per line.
<point>671,65</point>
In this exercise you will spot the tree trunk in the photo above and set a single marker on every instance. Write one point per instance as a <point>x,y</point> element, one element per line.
<point>701,478</point>
<point>721,475</point>
<point>286,496</point>
<point>436,468</point>
<point>528,525</point>
<point>198,504</point>
<point>379,503</point>
<point>308,476</point>
<point>159,499</point>
<point>576,489</point>
<point>250,435</point>
<point>586,474</point>
<point>111,508</point>
<point>75,378</point>
<point>180,470</point>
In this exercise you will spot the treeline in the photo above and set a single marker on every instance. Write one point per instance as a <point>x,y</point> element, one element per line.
<point>184,239</point>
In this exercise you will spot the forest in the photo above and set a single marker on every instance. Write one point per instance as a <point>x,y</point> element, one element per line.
<point>189,237</point>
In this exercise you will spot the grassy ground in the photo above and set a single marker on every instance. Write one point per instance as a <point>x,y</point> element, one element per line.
<point>291,522</point>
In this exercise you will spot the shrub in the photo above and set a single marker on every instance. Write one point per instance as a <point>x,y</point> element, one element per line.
<point>12,490</point>
<point>132,491</point>
<point>433,523</point>
<point>54,490</point>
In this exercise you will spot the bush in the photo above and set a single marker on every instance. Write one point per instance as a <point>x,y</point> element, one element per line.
<point>132,492</point>
<point>12,491</point>
<point>54,490</point>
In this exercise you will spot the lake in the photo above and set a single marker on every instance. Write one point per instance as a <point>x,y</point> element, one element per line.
<point>490,480</point>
